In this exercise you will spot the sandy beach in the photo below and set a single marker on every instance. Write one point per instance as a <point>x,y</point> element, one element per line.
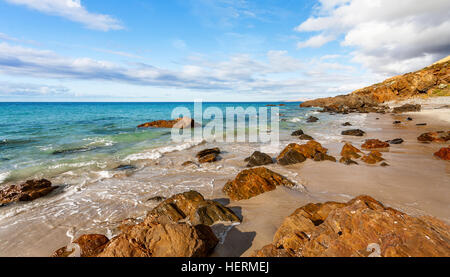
<point>415,182</point>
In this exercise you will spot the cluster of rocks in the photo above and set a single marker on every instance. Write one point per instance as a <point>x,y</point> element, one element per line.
<point>177,227</point>
<point>28,191</point>
<point>301,135</point>
<point>362,227</point>
<point>297,153</point>
<point>350,153</point>
<point>180,123</point>
<point>439,136</point>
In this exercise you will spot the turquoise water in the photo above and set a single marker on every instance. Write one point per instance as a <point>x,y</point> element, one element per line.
<point>47,139</point>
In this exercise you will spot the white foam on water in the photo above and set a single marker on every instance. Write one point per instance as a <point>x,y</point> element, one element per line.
<point>3,176</point>
<point>158,153</point>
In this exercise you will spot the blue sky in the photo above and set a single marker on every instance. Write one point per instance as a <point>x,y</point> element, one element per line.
<point>221,50</point>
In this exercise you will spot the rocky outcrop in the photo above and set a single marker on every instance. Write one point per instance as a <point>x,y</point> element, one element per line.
<point>90,246</point>
<point>430,81</point>
<point>192,207</point>
<point>177,227</point>
<point>252,182</point>
<point>443,153</point>
<point>362,227</point>
<point>353,132</point>
<point>208,155</point>
<point>27,191</point>
<point>296,153</point>
<point>258,159</point>
<point>407,108</point>
<point>374,144</point>
<point>439,136</point>
<point>180,123</point>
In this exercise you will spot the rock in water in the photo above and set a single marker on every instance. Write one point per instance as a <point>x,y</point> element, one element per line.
<point>354,229</point>
<point>297,133</point>
<point>407,108</point>
<point>27,191</point>
<point>374,144</point>
<point>353,132</point>
<point>395,141</point>
<point>258,159</point>
<point>349,151</point>
<point>252,182</point>
<point>180,123</point>
<point>312,119</point>
<point>305,137</point>
<point>208,155</point>
<point>439,136</point>
<point>347,124</point>
<point>192,207</point>
<point>90,246</point>
<point>443,153</point>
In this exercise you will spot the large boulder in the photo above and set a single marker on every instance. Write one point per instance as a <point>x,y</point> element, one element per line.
<point>162,239</point>
<point>258,159</point>
<point>374,144</point>
<point>252,182</point>
<point>192,207</point>
<point>439,136</point>
<point>180,123</point>
<point>362,227</point>
<point>27,191</point>
<point>443,153</point>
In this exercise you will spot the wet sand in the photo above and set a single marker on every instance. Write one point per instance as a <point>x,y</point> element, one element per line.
<point>415,182</point>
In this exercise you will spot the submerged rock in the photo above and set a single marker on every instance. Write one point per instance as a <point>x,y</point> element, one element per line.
<point>305,137</point>
<point>346,124</point>
<point>187,163</point>
<point>396,122</point>
<point>443,153</point>
<point>407,108</point>
<point>297,133</point>
<point>125,167</point>
<point>353,132</point>
<point>374,144</point>
<point>362,227</point>
<point>312,119</point>
<point>258,159</point>
<point>252,182</point>
<point>208,155</point>
<point>180,123</point>
<point>28,191</point>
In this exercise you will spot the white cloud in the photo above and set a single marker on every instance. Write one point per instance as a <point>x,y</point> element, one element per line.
<point>30,89</point>
<point>277,73</point>
<point>388,37</point>
<point>316,41</point>
<point>74,11</point>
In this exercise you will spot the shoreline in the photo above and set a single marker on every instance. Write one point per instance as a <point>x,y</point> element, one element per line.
<point>417,188</point>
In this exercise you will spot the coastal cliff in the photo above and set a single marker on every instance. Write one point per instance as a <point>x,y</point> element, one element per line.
<point>433,80</point>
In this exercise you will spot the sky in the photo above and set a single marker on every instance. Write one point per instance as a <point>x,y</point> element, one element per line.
<point>212,50</point>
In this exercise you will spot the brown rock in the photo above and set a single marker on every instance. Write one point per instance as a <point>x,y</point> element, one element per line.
<point>305,137</point>
<point>323,157</point>
<point>186,163</point>
<point>155,239</point>
<point>374,144</point>
<point>373,157</point>
<point>353,132</point>
<point>347,161</point>
<point>407,108</point>
<point>90,246</point>
<point>191,206</point>
<point>308,150</point>
<point>349,151</point>
<point>252,182</point>
<point>439,136</point>
<point>27,191</point>
<point>361,227</point>
<point>181,123</point>
<point>208,155</point>
<point>258,159</point>
<point>443,153</point>
<point>291,157</point>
